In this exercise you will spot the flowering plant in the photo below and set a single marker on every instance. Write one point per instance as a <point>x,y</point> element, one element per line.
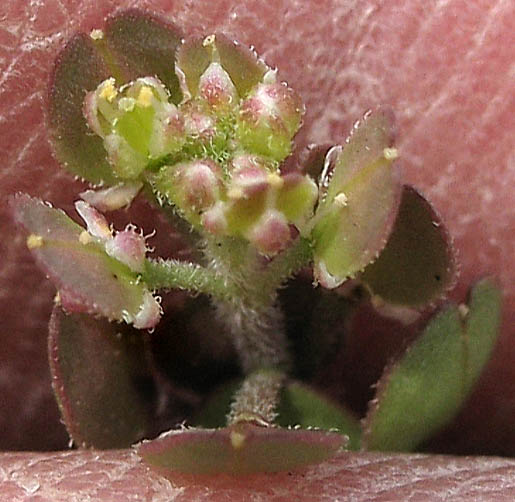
<point>204,129</point>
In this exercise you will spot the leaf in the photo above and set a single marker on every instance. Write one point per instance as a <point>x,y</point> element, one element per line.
<point>417,266</point>
<point>79,68</point>
<point>98,375</point>
<point>238,450</point>
<point>426,388</point>
<point>144,45</point>
<point>360,197</point>
<point>240,62</point>
<point>305,407</point>
<point>135,44</point>
<point>87,278</point>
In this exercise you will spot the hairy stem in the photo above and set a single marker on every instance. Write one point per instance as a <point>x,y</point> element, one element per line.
<point>257,398</point>
<point>174,274</point>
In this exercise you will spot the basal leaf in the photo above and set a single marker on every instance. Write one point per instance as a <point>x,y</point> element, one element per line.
<point>98,375</point>
<point>417,266</point>
<point>360,196</point>
<point>79,68</point>
<point>426,388</point>
<point>238,450</point>
<point>88,279</point>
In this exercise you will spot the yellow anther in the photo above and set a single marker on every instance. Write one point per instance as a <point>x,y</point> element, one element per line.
<point>34,241</point>
<point>145,96</point>
<point>85,237</point>
<point>96,34</point>
<point>341,200</point>
<point>274,180</point>
<point>390,153</point>
<point>237,440</point>
<point>108,90</point>
<point>57,298</point>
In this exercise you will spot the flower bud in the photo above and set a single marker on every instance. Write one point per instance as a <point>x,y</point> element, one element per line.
<point>268,119</point>
<point>128,247</point>
<point>217,88</point>
<point>271,234</point>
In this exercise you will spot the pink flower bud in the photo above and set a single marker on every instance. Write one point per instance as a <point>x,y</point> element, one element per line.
<point>199,182</point>
<point>268,120</point>
<point>271,234</point>
<point>217,88</point>
<point>128,247</point>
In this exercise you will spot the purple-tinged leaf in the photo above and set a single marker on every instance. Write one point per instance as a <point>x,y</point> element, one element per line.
<point>425,389</point>
<point>144,45</point>
<point>360,195</point>
<point>98,377</point>
<point>89,280</point>
<point>243,65</point>
<point>417,266</point>
<point>241,449</point>
<point>79,68</point>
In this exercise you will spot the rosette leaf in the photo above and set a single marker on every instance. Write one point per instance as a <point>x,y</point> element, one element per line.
<point>99,379</point>
<point>240,449</point>
<point>418,264</point>
<point>425,389</point>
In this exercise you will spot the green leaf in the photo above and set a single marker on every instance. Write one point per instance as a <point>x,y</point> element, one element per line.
<point>143,44</point>
<point>417,266</point>
<point>425,389</point>
<point>98,376</point>
<point>238,450</point>
<point>481,328</point>
<point>88,279</point>
<point>305,407</point>
<point>360,197</point>
<point>79,68</point>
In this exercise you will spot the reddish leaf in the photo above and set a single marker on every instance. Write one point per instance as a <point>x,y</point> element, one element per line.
<point>240,449</point>
<point>417,266</point>
<point>144,45</point>
<point>97,375</point>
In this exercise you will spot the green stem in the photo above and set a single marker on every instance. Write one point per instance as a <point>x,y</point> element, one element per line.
<point>174,274</point>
